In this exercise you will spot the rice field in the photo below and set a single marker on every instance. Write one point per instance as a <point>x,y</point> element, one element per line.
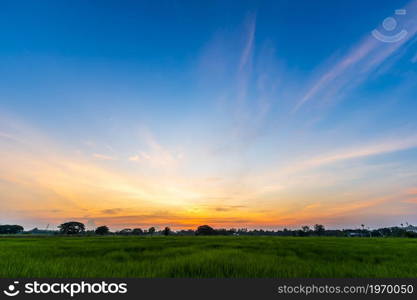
<point>207,257</point>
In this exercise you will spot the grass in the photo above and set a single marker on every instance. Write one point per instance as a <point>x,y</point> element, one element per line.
<point>207,257</point>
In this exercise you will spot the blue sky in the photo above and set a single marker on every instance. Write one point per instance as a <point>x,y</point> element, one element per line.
<point>260,113</point>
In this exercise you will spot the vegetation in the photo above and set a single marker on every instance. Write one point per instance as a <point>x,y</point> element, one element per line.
<point>319,229</point>
<point>77,228</point>
<point>207,252</point>
<point>206,256</point>
<point>10,229</point>
<point>166,231</point>
<point>137,231</point>
<point>151,230</point>
<point>102,230</point>
<point>206,230</point>
<point>71,228</point>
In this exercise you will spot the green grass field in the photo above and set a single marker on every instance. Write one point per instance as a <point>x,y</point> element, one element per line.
<point>209,257</point>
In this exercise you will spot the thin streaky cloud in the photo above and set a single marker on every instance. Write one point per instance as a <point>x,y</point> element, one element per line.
<point>250,37</point>
<point>8,137</point>
<point>155,154</point>
<point>244,70</point>
<point>378,148</point>
<point>349,60</point>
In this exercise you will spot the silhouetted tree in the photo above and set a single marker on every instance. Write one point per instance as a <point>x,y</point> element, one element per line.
<point>137,231</point>
<point>166,231</point>
<point>102,230</point>
<point>71,228</point>
<point>205,230</point>
<point>125,231</point>
<point>222,231</point>
<point>10,229</point>
<point>410,234</point>
<point>305,228</point>
<point>151,230</point>
<point>186,232</point>
<point>319,229</point>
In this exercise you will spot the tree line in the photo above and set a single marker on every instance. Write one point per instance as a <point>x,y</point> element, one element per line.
<point>78,228</point>
<point>11,229</point>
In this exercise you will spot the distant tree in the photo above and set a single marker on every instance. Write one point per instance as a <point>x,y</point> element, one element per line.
<point>410,234</point>
<point>186,232</point>
<point>398,232</point>
<point>166,231</point>
<point>223,231</point>
<point>385,231</point>
<point>205,230</point>
<point>137,231</point>
<point>71,228</point>
<point>300,233</point>
<point>305,229</point>
<point>10,229</point>
<point>151,230</point>
<point>125,231</point>
<point>102,230</point>
<point>319,229</point>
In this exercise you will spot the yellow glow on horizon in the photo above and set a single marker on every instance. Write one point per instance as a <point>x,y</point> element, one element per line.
<point>49,184</point>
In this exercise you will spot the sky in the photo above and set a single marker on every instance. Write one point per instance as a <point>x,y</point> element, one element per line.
<point>236,114</point>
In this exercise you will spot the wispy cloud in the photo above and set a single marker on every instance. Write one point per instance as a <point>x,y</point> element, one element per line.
<point>251,88</point>
<point>249,45</point>
<point>352,58</point>
<point>112,211</point>
<point>364,151</point>
<point>301,166</point>
<point>7,136</point>
<point>154,154</point>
